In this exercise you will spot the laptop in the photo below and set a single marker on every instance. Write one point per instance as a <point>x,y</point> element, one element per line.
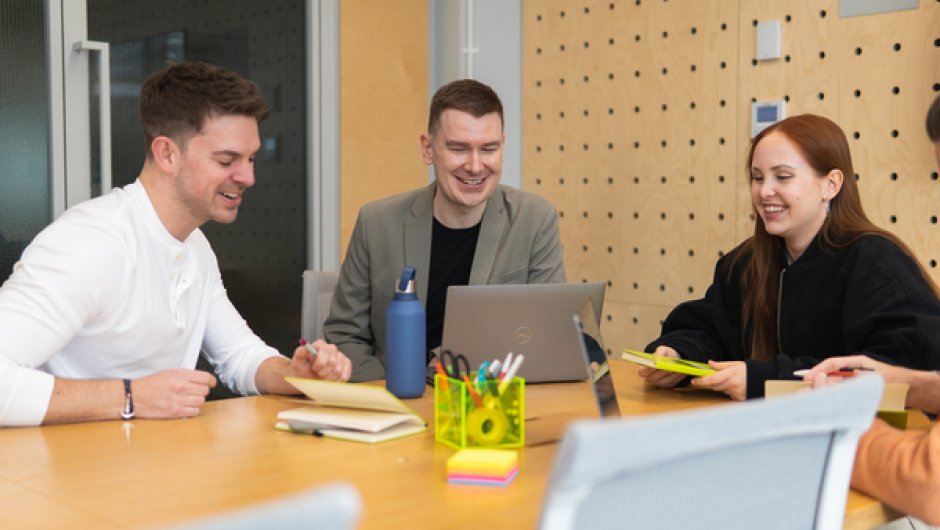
<point>485,322</point>
<point>596,365</point>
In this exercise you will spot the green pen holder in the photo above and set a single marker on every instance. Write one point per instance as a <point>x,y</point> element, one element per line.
<point>486,419</point>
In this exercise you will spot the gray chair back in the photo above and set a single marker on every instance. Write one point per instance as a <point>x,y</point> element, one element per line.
<point>781,463</point>
<point>334,507</point>
<point>318,287</point>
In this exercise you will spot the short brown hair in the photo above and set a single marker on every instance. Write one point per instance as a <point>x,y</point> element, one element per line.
<point>933,120</point>
<point>175,101</point>
<point>465,95</point>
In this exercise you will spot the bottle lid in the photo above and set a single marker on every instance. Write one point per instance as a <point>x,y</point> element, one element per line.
<point>406,284</point>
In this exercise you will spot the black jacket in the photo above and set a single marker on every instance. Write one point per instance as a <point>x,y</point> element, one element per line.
<point>869,298</point>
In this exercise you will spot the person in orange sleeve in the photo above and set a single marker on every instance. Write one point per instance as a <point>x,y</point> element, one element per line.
<point>900,468</point>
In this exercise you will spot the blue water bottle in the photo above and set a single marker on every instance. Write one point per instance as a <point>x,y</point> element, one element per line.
<point>404,331</point>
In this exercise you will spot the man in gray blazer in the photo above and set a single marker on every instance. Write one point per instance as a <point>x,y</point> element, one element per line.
<point>463,228</point>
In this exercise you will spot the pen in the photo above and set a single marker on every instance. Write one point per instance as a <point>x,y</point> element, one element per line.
<point>480,380</point>
<point>310,349</point>
<point>516,363</point>
<point>494,368</point>
<point>472,391</point>
<point>844,372</point>
<point>506,364</point>
<point>441,372</point>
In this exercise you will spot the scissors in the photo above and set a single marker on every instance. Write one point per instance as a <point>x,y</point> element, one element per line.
<point>453,363</point>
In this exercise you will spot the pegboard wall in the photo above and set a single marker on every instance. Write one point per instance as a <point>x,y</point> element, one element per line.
<point>636,124</point>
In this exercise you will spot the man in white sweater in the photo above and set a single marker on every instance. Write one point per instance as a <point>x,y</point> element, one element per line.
<point>106,313</point>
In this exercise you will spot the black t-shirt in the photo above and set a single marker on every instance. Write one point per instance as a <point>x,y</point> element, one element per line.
<point>452,252</point>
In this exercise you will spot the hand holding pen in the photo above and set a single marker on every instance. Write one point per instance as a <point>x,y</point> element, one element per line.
<point>923,385</point>
<point>320,360</point>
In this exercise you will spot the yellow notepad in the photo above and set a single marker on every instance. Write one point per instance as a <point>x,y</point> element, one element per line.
<point>348,411</point>
<point>681,366</point>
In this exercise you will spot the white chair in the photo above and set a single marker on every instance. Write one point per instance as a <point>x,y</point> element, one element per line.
<point>318,287</point>
<point>333,507</point>
<point>780,463</point>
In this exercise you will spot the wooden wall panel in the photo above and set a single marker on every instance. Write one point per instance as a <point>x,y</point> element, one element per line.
<point>383,102</point>
<point>636,124</point>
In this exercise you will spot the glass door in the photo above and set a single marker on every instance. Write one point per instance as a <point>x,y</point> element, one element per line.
<point>70,130</point>
<point>25,194</point>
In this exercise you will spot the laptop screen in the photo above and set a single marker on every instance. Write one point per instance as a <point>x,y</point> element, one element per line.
<point>595,360</point>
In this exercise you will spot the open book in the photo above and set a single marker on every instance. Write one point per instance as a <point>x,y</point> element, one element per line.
<point>682,366</point>
<point>349,411</point>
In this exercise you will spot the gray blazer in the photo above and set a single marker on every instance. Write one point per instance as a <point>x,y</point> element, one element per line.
<point>518,243</point>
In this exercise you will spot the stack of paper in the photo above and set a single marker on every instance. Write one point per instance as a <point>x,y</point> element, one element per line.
<point>485,467</point>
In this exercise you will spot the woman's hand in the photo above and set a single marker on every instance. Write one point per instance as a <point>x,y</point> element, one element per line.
<point>662,378</point>
<point>731,379</point>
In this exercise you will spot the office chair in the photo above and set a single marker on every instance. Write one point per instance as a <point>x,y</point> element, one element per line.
<point>779,463</point>
<point>335,506</point>
<point>318,287</point>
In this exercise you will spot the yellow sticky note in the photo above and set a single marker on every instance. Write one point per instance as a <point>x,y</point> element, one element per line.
<point>482,462</point>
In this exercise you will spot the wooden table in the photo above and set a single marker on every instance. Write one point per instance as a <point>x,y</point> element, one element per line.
<point>149,473</point>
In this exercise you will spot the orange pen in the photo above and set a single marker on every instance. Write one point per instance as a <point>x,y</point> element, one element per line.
<point>473,393</point>
<point>441,372</point>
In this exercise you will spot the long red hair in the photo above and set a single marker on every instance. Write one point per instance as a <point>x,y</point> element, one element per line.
<point>824,147</point>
